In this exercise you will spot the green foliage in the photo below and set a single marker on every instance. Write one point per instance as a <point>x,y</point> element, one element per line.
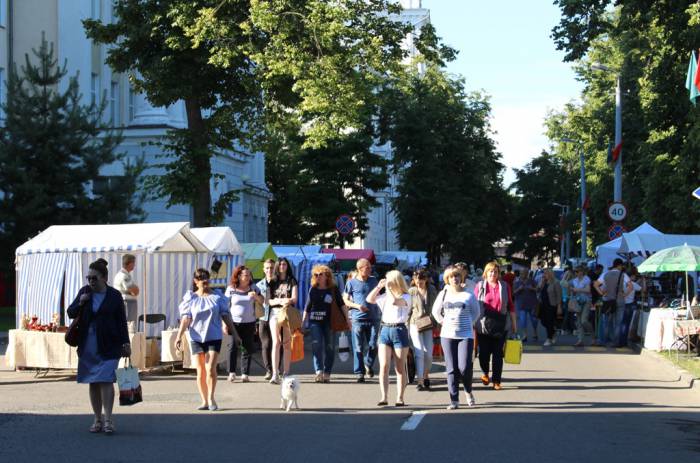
<point>449,194</point>
<point>536,223</point>
<point>650,44</point>
<point>51,149</point>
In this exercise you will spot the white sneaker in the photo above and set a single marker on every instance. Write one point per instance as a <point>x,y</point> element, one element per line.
<point>231,377</point>
<point>275,379</point>
<point>245,378</point>
<point>547,343</point>
<point>470,399</point>
<point>453,406</point>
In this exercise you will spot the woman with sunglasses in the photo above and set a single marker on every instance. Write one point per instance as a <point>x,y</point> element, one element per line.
<point>423,295</point>
<point>456,309</point>
<point>201,313</point>
<point>317,315</point>
<point>103,339</point>
<point>283,292</point>
<point>242,294</point>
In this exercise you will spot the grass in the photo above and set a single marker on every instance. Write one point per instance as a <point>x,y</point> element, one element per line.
<point>7,318</point>
<point>688,362</point>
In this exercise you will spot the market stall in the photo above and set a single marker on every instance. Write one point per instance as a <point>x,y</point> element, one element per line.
<point>227,252</point>
<point>347,258</point>
<point>51,267</point>
<point>255,254</point>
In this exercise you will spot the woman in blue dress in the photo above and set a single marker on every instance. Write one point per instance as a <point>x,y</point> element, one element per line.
<point>201,313</point>
<point>103,340</point>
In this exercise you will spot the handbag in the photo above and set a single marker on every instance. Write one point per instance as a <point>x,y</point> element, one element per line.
<point>259,310</point>
<point>291,315</point>
<point>339,322</point>
<point>72,336</point>
<point>424,323</point>
<point>513,351</point>
<point>129,385</point>
<point>297,346</point>
<point>343,347</point>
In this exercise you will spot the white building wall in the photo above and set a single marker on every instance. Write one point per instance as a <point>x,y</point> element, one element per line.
<point>142,123</point>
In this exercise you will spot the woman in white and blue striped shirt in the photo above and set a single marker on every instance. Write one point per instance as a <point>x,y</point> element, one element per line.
<point>457,310</point>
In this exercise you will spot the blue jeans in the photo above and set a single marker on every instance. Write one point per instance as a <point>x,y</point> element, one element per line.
<point>458,365</point>
<point>364,333</point>
<point>624,318</point>
<point>607,326</point>
<point>322,346</point>
<point>523,315</point>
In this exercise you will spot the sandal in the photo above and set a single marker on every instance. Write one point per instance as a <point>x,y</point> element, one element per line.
<point>108,428</point>
<point>96,427</point>
<point>382,403</point>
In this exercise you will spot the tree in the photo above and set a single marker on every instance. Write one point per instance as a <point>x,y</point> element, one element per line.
<point>307,67</point>
<point>536,222</point>
<point>51,151</point>
<point>446,164</point>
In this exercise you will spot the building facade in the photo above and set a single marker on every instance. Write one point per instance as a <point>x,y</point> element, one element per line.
<point>22,23</point>
<point>381,234</point>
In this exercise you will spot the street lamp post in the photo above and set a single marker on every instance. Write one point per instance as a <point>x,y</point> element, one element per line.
<point>584,248</point>
<point>563,253</point>
<point>617,188</point>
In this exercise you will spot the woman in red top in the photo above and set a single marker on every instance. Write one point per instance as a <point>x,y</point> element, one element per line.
<point>496,302</point>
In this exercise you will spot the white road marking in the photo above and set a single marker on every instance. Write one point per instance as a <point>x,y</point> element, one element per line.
<point>412,423</point>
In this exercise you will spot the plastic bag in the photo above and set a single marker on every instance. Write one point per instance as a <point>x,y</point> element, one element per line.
<point>343,347</point>
<point>129,385</point>
<point>297,346</point>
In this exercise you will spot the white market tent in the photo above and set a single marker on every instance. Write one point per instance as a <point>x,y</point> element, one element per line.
<point>608,252</point>
<point>406,259</point>
<point>644,245</point>
<point>292,250</point>
<point>51,267</point>
<point>226,248</point>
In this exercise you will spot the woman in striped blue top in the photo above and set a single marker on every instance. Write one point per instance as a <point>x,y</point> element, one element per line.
<point>457,310</point>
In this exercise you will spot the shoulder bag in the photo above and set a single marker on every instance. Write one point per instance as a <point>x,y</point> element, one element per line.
<point>72,336</point>
<point>339,322</point>
<point>424,322</point>
<point>610,306</point>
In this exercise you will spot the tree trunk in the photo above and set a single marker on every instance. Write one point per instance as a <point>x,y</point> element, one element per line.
<point>201,201</point>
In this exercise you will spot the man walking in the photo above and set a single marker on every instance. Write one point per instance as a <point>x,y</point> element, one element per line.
<point>264,321</point>
<point>365,319</point>
<point>124,283</point>
<point>613,285</point>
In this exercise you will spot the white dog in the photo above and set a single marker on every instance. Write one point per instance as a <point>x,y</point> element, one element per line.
<point>290,393</point>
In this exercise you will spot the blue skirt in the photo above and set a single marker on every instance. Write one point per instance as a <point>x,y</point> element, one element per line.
<point>92,368</point>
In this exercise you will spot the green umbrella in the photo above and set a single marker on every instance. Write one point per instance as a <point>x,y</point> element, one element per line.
<point>677,259</point>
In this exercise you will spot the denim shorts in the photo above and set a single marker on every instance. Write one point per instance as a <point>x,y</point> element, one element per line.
<point>197,347</point>
<point>396,336</point>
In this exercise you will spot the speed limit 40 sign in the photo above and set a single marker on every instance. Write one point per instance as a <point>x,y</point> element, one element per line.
<point>617,212</point>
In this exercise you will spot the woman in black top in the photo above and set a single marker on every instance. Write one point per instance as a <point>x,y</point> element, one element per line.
<point>283,292</point>
<point>317,315</point>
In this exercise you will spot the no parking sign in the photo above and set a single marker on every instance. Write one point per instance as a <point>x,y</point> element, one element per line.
<point>344,224</point>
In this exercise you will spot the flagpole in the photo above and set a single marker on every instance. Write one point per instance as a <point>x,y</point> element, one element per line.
<point>617,196</point>
<point>584,248</point>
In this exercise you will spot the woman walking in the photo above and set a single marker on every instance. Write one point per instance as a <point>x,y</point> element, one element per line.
<point>242,295</point>
<point>456,309</point>
<point>201,313</point>
<point>317,315</point>
<point>525,295</point>
<point>103,339</point>
<point>550,303</point>
<point>423,295</point>
<point>283,292</point>
<point>393,336</point>
<point>496,303</point>
<point>580,303</point>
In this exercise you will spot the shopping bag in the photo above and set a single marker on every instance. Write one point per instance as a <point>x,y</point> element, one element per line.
<point>343,347</point>
<point>129,385</point>
<point>297,346</point>
<point>514,351</point>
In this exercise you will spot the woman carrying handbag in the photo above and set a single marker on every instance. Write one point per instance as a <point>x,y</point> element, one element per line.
<point>420,326</point>
<point>102,339</point>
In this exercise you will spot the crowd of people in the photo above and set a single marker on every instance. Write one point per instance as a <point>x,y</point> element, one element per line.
<point>387,317</point>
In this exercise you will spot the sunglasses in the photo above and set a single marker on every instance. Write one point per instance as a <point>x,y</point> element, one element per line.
<point>91,278</point>
<point>318,274</point>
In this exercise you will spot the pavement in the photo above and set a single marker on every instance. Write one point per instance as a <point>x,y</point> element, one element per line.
<point>559,404</point>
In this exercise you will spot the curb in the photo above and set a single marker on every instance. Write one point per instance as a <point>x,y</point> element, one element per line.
<point>683,376</point>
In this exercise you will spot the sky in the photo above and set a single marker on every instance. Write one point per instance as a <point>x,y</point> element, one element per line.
<point>505,50</point>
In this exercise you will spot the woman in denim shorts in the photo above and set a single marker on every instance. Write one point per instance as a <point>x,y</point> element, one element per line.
<point>202,312</point>
<point>395,305</point>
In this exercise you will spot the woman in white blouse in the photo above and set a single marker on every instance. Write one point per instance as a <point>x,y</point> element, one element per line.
<point>394,304</point>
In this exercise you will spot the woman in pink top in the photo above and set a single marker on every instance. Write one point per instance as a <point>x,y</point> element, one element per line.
<point>496,303</point>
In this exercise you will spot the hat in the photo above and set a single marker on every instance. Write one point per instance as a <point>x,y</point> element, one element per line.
<point>617,262</point>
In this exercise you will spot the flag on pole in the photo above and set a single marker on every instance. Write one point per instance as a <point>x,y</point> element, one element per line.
<point>691,80</point>
<point>616,152</point>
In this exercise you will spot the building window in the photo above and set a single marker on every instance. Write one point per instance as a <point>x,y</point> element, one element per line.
<point>96,9</point>
<point>103,185</point>
<point>95,89</point>
<point>114,108</point>
<point>132,100</point>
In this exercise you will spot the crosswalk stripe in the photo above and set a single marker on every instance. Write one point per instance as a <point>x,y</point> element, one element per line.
<point>413,421</point>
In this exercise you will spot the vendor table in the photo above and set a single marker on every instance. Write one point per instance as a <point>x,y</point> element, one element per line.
<point>168,353</point>
<point>660,329</point>
<point>41,349</point>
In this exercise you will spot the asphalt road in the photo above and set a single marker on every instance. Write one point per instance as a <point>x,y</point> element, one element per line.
<point>560,404</point>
